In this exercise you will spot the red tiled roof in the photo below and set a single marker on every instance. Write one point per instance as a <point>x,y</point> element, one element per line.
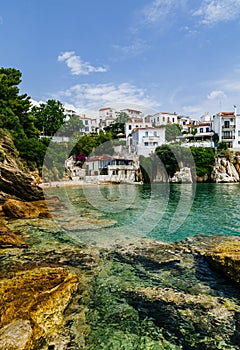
<point>132,110</point>
<point>227,114</point>
<point>93,159</point>
<point>203,124</point>
<point>104,108</point>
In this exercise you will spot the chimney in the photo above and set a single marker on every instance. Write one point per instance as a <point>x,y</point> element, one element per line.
<point>235,110</point>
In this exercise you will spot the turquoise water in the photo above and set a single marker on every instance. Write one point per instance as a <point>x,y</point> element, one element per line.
<point>168,212</point>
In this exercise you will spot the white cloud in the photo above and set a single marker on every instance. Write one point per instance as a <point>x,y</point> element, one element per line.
<point>138,46</point>
<point>158,9</point>
<point>77,66</point>
<point>214,11</point>
<point>216,94</point>
<point>89,96</point>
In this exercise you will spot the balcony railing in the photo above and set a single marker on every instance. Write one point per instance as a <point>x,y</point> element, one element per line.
<point>230,127</point>
<point>228,137</point>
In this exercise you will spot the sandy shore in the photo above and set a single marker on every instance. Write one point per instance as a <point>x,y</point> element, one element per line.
<point>57,184</point>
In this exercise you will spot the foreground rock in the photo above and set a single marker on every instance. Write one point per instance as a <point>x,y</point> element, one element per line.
<point>33,305</point>
<point>14,181</point>
<point>225,257</point>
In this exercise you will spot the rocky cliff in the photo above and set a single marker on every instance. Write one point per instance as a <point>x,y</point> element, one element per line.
<point>15,180</point>
<point>226,170</point>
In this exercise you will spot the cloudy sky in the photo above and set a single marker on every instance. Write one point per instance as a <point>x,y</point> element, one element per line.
<point>160,55</point>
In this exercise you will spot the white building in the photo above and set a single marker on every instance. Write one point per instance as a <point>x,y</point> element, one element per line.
<point>132,113</point>
<point>107,112</point>
<point>162,118</point>
<point>227,126</point>
<point>90,124</point>
<point>145,140</point>
<point>135,123</point>
<point>184,123</point>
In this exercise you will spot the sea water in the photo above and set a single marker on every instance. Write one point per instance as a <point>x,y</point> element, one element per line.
<point>166,212</point>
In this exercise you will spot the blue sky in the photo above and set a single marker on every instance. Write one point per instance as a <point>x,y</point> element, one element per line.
<point>158,55</point>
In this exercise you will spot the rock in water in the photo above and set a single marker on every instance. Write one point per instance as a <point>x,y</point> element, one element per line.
<point>226,259</point>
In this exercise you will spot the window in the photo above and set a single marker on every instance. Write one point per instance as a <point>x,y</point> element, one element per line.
<point>155,133</point>
<point>163,119</point>
<point>173,120</point>
<point>145,143</point>
<point>226,124</point>
<point>207,129</point>
<point>129,127</point>
<point>146,133</point>
<point>201,130</point>
<point>238,132</point>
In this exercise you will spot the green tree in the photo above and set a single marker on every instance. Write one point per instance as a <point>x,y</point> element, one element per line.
<point>118,126</point>
<point>222,146</point>
<point>49,117</point>
<point>16,118</point>
<point>72,126</point>
<point>172,131</point>
<point>175,157</point>
<point>204,158</point>
<point>14,107</point>
<point>97,143</point>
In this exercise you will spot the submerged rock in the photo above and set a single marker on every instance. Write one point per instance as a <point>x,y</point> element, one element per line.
<point>8,238</point>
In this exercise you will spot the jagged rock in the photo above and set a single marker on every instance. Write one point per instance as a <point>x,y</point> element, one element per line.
<point>224,171</point>
<point>226,259</point>
<point>33,303</point>
<point>14,180</point>
<point>182,176</point>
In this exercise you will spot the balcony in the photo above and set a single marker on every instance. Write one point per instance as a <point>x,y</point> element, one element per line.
<point>229,128</point>
<point>228,137</point>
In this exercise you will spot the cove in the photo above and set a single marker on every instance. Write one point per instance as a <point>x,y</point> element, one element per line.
<point>164,212</point>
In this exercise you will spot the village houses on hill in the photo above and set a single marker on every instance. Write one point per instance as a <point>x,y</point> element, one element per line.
<point>143,133</point>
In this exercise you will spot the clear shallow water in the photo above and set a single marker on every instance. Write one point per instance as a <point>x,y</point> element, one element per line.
<point>160,211</point>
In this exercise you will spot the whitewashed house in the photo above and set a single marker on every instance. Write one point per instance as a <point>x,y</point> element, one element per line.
<point>124,169</point>
<point>97,165</point>
<point>135,123</point>
<point>144,141</point>
<point>162,118</point>
<point>227,126</point>
<point>132,113</point>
